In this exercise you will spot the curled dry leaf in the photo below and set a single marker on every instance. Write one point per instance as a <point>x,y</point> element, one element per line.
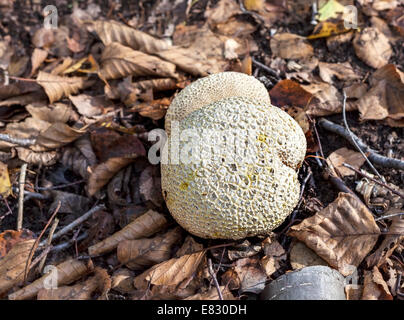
<point>342,71</point>
<point>12,266</point>
<point>118,61</point>
<point>67,272</point>
<point>5,184</point>
<point>73,159</point>
<point>342,234</point>
<point>290,46</point>
<point>37,58</point>
<point>172,272</point>
<point>141,253</point>
<point>155,109</point>
<point>122,280</point>
<point>146,225</point>
<point>389,244</point>
<point>57,135</point>
<point>38,158</point>
<point>81,291</point>
<point>112,31</point>
<point>372,47</point>
<point>57,87</point>
<point>336,159</point>
<point>384,99</point>
<point>374,287</point>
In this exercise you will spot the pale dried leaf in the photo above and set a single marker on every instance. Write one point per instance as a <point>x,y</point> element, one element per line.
<point>290,46</point>
<point>38,57</point>
<point>57,87</point>
<point>58,112</point>
<point>118,61</point>
<point>251,275</point>
<point>5,184</point>
<point>372,47</point>
<point>57,135</point>
<point>112,31</point>
<point>336,159</point>
<point>171,272</point>
<point>342,71</point>
<point>12,266</point>
<point>342,234</point>
<point>374,287</point>
<point>89,106</point>
<point>38,158</point>
<point>146,225</point>
<point>122,280</point>
<point>301,256</point>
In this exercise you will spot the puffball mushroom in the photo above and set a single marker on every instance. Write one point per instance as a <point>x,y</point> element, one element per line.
<point>232,167</point>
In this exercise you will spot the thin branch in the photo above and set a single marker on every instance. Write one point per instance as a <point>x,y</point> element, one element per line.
<point>18,141</point>
<point>74,224</point>
<point>388,216</point>
<point>351,134</point>
<point>49,241</point>
<point>373,155</point>
<point>21,185</point>
<point>374,180</point>
<point>213,275</point>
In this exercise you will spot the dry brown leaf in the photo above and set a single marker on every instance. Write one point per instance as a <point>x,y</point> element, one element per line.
<point>189,246</point>
<point>5,184</point>
<point>290,46</point>
<point>222,12</point>
<point>57,87</point>
<point>374,287</point>
<point>356,90</point>
<point>251,275</point>
<point>326,100</point>
<point>37,58</point>
<point>243,250</point>
<point>342,71</point>
<point>146,225</point>
<point>155,109</point>
<point>171,272</point>
<point>38,158</point>
<point>142,253</point>
<point>342,234</point>
<point>384,99</point>
<point>58,112</point>
<point>212,294</point>
<point>118,61</point>
<point>112,31</point>
<point>389,244</point>
<point>12,266</point>
<point>56,136</point>
<point>9,238</point>
<point>336,159</point>
<point>80,291</point>
<point>64,273</point>
<point>89,106</point>
<point>122,280</point>
<point>301,256</point>
<point>372,47</point>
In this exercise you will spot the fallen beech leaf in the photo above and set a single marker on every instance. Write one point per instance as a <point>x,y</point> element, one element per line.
<point>122,280</point>
<point>112,31</point>
<point>144,226</point>
<point>80,291</point>
<point>171,272</point>
<point>336,159</point>
<point>342,234</point>
<point>58,112</point>
<point>243,250</point>
<point>290,46</point>
<point>89,106</point>
<point>252,276</point>
<point>56,87</point>
<point>12,266</point>
<point>118,61</point>
<point>9,238</point>
<point>343,71</point>
<point>326,100</point>
<point>64,273</point>
<point>289,93</point>
<point>384,99</point>
<point>274,255</point>
<point>5,184</point>
<point>155,110</point>
<point>374,287</point>
<point>142,253</point>
<point>301,256</point>
<point>38,158</point>
<point>389,244</point>
<point>356,90</point>
<point>189,246</point>
<point>372,47</point>
<point>37,58</point>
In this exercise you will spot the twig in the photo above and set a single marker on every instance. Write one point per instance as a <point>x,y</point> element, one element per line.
<point>373,155</point>
<point>49,241</point>
<point>264,67</point>
<point>35,246</point>
<point>389,216</point>
<point>351,134</point>
<point>74,224</point>
<point>21,185</point>
<point>67,244</point>
<point>213,275</point>
<point>10,211</point>
<point>374,180</point>
<point>62,185</point>
<point>18,141</point>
